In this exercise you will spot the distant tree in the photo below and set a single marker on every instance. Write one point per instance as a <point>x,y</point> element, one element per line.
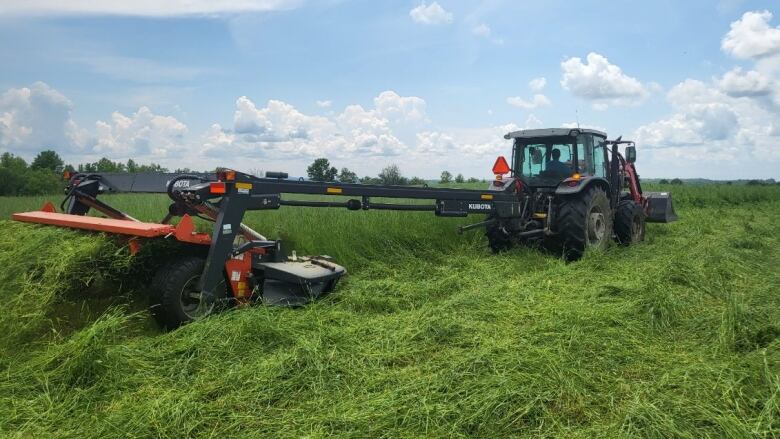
<point>459,179</point>
<point>729,182</point>
<point>417,181</point>
<point>13,172</point>
<point>392,175</point>
<point>40,182</point>
<point>106,165</point>
<point>446,177</point>
<point>17,179</point>
<point>152,167</point>
<point>131,166</point>
<point>663,181</point>
<point>473,180</point>
<point>370,180</point>
<point>321,170</point>
<point>49,160</point>
<point>676,181</point>
<point>347,176</point>
<point>12,162</point>
<point>755,183</point>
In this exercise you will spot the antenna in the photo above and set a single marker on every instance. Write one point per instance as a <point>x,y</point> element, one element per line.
<point>577,116</point>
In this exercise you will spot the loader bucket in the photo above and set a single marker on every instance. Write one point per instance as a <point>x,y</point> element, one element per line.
<point>659,207</point>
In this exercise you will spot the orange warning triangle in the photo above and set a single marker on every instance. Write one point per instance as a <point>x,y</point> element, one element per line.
<point>501,167</point>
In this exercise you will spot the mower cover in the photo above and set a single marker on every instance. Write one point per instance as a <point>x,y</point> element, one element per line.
<point>297,282</point>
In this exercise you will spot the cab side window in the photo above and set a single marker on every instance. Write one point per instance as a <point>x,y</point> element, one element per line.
<point>599,157</point>
<point>584,154</point>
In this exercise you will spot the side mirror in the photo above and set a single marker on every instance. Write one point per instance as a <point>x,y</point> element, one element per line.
<point>631,154</point>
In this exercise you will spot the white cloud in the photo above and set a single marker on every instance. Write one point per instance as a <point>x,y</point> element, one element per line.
<point>538,100</point>
<point>279,130</point>
<point>40,117</point>
<point>710,125</point>
<point>142,134</point>
<point>728,121</point>
<point>324,104</point>
<point>600,82</point>
<point>435,143</point>
<point>533,122</point>
<point>482,30</point>
<point>752,37</point>
<point>740,84</point>
<point>37,117</point>
<point>432,14</point>
<point>147,8</point>
<point>537,84</point>
<point>400,108</point>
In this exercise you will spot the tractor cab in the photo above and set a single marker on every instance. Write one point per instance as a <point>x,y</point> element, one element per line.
<point>546,157</point>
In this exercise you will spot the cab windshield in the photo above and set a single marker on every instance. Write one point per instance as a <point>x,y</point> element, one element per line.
<point>548,160</point>
<point>552,160</point>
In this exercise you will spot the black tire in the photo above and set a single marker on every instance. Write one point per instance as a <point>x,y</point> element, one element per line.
<point>498,239</point>
<point>629,223</point>
<point>584,221</point>
<point>174,297</point>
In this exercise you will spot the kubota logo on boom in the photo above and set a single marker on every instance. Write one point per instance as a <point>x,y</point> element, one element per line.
<point>480,206</point>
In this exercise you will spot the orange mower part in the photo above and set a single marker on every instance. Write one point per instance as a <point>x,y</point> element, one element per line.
<point>184,231</point>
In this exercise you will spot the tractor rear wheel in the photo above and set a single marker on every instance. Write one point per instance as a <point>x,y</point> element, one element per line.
<point>629,223</point>
<point>584,221</point>
<point>174,295</point>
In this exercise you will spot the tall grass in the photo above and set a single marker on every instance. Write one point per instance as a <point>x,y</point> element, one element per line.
<point>430,335</point>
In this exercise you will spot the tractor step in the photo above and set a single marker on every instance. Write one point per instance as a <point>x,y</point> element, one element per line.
<point>296,283</point>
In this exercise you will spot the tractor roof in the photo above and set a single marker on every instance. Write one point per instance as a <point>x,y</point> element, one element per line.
<point>552,132</point>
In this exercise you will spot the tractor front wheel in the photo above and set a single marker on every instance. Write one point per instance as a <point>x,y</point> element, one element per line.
<point>629,223</point>
<point>584,221</point>
<point>175,298</point>
<point>498,239</point>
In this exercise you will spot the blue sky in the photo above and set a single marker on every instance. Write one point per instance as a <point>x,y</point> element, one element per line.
<point>272,84</point>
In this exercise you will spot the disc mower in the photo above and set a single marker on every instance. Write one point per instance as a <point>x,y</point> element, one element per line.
<point>570,187</point>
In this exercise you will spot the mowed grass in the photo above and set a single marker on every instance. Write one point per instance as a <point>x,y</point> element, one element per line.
<point>429,335</point>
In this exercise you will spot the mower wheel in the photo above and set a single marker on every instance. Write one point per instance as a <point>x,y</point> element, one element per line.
<point>629,223</point>
<point>174,297</point>
<point>584,221</point>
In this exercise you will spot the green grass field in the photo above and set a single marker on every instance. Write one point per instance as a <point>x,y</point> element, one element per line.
<point>429,336</point>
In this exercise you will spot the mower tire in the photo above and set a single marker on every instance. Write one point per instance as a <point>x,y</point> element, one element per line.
<point>498,239</point>
<point>629,223</point>
<point>174,297</point>
<point>584,221</point>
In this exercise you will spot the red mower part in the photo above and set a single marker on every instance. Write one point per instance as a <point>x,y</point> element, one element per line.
<point>122,227</point>
<point>184,231</point>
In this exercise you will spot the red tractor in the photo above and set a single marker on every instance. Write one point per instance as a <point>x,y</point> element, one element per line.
<point>574,189</point>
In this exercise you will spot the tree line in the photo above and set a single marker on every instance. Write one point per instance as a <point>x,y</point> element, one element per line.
<point>44,175</point>
<point>322,170</point>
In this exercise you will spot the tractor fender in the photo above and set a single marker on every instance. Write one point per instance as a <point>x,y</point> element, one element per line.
<point>570,186</point>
